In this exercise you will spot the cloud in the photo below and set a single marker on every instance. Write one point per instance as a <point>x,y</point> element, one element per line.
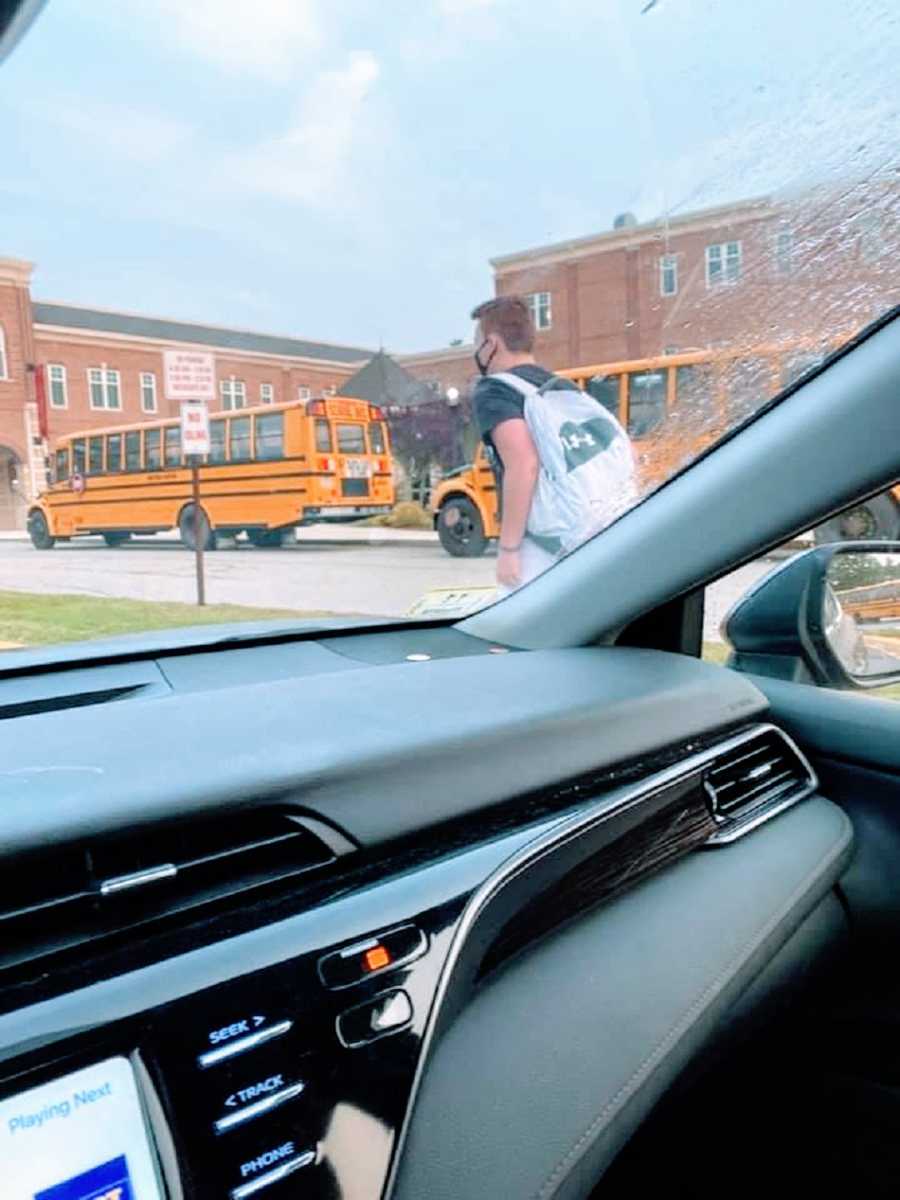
<point>264,37</point>
<point>310,161</point>
<point>461,8</point>
<point>118,131</point>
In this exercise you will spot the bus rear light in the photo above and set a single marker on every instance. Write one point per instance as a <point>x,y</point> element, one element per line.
<point>327,464</point>
<point>316,408</point>
<point>376,413</point>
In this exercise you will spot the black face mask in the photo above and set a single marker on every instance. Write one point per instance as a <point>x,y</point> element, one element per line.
<point>483,367</point>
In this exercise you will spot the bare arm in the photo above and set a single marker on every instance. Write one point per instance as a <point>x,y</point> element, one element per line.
<point>520,471</point>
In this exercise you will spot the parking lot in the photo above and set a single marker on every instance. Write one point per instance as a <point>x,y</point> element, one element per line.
<point>379,579</point>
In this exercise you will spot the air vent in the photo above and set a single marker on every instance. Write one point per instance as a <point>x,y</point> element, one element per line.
<point>753,779</point>
<point>53,901</point>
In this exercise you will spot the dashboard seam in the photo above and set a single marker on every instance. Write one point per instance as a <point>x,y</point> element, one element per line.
<point>549,1187</point>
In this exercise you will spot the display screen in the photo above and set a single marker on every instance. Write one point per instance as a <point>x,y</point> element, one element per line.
<point>80,1137</point>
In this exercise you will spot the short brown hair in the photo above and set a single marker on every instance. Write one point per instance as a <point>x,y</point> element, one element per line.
<point>510,318</point>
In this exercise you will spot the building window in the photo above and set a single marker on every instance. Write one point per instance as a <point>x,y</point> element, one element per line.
<point>784,251</point>
<point>56,377</point>
<point>266,393</point>
<point>541,310</point>
<point>234,393</point>
<point>148,392</point>
<point>329,391</point>
<point>104,387</point>
<point>668,275</point>
<point>303,392</point>
<point>3,371</point>
<point>723,263</point>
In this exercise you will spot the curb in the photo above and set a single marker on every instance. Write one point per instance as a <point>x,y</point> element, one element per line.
<point>369,537</point>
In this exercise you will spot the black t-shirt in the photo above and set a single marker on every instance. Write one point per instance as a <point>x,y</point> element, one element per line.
<point>496,401</point>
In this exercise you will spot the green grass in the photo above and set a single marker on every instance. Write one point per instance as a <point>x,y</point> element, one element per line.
<point>33,619</point>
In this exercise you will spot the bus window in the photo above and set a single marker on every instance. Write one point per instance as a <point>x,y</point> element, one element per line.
<point>133,450</point>
<point>114,452</point>
<point>173,446</point>
<point>748,384</point>
<point>695,393</point>
<point>351,439</point>
<point>376,437</point>
<point>605,388</point>
<point>62,465</point>
<point>152,449</point>
<point>216,441</point>
<point>646,402</point>
<point>78,456</point>
<point>95,456</point>
<point>323,436</point>
<point>270,436</point>
<point>239,439</point>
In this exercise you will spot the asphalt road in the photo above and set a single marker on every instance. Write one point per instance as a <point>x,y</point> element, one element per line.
<point>358,579</point>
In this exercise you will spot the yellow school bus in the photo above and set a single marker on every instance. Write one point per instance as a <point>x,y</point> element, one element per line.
<point>269,469</point>
<point>673,407</point>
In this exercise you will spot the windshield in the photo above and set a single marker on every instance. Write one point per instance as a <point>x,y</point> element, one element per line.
<point>321,317</point>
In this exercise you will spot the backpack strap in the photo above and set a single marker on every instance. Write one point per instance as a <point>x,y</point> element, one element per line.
<point>522,386</point>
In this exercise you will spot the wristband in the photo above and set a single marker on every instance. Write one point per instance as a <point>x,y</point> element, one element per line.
<point>510,549</point>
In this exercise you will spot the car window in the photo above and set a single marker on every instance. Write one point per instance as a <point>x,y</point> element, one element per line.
<point>344,245</point>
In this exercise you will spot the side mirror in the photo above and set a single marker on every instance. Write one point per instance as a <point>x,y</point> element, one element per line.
<point>829,616</point>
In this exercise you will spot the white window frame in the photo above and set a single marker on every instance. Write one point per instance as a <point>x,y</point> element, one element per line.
<point>4,363</point>
<point>304,392</point>
<point>267,393</point>
<point>540,305</point>
<point>109,376</point>
<point>331,390</point>
<point>722,252</point>
<point>784,251</point>
<point>147,380</point>
<point>62,381</point>
<point>233,392</point>
<point>668,263</point>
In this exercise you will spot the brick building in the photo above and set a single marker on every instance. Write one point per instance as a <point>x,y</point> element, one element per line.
<point>754,272</point>
<point>102,368</point>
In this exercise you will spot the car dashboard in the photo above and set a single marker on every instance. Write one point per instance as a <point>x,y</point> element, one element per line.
<point>382,914</point>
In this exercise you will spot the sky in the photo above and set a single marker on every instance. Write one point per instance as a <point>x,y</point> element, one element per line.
<point>345,169</point>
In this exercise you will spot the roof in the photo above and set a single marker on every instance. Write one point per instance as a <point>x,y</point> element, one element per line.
<point>629,234</point>
<point>383,381</point>
<point>163,330</point>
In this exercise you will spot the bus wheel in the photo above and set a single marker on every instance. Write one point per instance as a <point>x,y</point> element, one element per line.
<point>461,528</point>
<point>266,539</point>
<point>39,531</point>
<point>116,539</point>
<point>877,519</point>
<point>186,530</point>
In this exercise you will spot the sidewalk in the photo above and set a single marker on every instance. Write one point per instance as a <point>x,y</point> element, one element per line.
<point>315,534</point>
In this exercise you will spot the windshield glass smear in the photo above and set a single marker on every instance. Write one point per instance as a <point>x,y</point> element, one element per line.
<point>287,335</point>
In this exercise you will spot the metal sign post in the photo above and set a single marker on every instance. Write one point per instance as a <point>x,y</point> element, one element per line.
<point>194,445</point>
<point>190,377</point>
<point>198,541</point>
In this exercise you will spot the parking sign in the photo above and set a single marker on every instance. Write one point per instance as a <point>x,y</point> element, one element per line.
<point>194,428</point>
